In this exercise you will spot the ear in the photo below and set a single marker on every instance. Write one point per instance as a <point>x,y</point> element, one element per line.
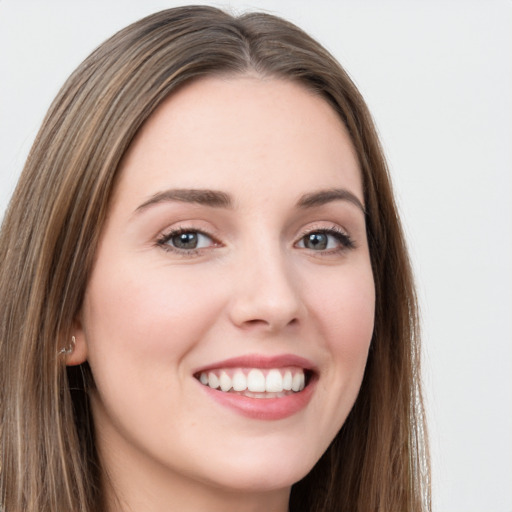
<point>78,354</point>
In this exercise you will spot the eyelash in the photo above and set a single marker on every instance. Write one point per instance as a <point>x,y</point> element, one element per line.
<point>162,241</point>
<point>344,239</point>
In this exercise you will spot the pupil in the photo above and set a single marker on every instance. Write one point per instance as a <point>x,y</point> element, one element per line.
<point>316,241</point>
<point>185,241</point>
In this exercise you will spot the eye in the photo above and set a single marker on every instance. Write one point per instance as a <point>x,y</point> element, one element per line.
<point>330,240</point>
<point>186,240</point>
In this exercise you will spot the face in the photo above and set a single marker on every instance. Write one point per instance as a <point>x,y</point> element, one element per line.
<point>230,309</point>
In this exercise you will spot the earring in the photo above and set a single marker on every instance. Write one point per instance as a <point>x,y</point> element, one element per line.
<point>69,349</point>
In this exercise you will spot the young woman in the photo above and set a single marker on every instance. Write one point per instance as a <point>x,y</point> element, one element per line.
<point>206,298</point>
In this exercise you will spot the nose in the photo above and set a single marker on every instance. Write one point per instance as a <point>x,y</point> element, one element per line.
<point>266,292</point>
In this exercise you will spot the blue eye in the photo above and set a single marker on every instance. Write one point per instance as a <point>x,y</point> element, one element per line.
<point>326,240</point>
<point>186,240</point>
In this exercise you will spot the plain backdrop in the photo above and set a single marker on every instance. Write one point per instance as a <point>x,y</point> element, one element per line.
<point>437,76</point>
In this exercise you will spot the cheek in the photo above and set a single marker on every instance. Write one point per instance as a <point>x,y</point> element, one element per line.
<point>139,328</point>
<point>346,307</point>
<point>154,312</point>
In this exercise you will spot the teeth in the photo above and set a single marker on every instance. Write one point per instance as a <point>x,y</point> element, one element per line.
<point>298,382</point>
<point>256,383</point>
<point>225,382</point>
<point>213,381</point>
<point>287,380</point>
<point>239,381</point>
<point>274,382</point>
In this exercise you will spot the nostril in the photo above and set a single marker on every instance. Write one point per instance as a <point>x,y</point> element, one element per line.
<point>255,323</point>
<point>268,324</point>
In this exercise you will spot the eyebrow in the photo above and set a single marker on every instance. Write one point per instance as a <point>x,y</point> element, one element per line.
<point>218,199</point>
<point>322,197</point>
<point>213,198</point>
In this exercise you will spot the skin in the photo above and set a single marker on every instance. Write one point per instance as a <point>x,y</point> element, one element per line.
<point>152,316</point>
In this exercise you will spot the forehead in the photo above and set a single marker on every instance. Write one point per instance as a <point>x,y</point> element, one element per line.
<point>243,131</point>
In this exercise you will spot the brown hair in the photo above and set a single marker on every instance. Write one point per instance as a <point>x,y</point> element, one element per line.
<point>379,459</point>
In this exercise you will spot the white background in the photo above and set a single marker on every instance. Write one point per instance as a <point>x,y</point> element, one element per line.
<point>438,78</point>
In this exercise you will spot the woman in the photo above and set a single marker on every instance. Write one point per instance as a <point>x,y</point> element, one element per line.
<point>207,300</point>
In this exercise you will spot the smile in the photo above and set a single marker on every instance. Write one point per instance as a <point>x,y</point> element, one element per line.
<point>260,387</point>
<point>256,382</point>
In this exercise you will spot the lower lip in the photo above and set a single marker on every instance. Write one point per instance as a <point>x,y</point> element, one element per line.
<point>263,408</point>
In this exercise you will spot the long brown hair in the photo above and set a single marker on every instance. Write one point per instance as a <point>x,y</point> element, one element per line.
<point>379,459</point>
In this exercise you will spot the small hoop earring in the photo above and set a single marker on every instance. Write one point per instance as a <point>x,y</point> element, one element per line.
<point>69,349</point>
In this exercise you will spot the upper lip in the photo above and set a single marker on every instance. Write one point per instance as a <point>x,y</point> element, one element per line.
<point>260,361</point>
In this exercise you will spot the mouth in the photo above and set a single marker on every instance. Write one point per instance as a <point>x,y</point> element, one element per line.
<point>262,383</point>
<point>260,387</point>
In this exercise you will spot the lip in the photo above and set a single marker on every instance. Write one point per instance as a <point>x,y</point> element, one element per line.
<point>260,361</point>
<point>263,408</point>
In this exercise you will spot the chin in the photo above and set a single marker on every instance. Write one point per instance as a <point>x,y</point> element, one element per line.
<point>252,473</point>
